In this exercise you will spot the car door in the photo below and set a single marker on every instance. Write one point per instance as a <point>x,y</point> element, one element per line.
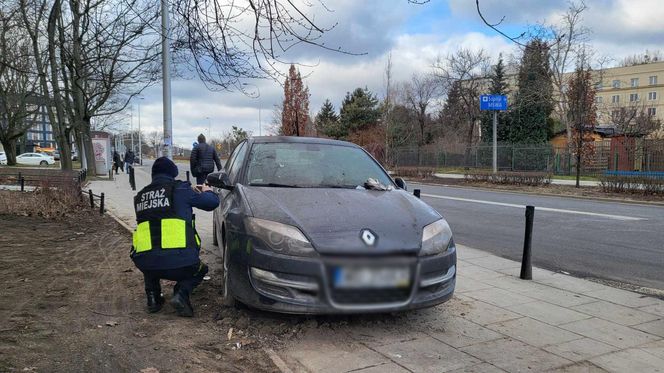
<point>230,199</point>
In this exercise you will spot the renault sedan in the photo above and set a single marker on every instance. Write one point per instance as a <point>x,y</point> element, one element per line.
<point>35,159</point>
<point>317,226</point>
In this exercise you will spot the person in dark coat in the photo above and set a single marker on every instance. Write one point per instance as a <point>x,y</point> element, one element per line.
<point>117,162</point>
<point>203,159</point>
<point>129,160</point>
<point>165,242</point>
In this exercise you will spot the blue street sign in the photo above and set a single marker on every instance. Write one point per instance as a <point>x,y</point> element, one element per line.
<point>493,102</point>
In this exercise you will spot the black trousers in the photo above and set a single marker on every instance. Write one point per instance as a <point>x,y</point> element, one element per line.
<point>187,278</point>
<point>200,179</point>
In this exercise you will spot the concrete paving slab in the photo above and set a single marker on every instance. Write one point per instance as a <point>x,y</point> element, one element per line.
<point>654,348</point>
<point>623,297</point>
<point>427,355</point>
<point>652,327</point>
<point>569,283</point>
<point>322,356</point>
<point>468,284</point>
<point>517,285</point>
<point>614,312</point>
<point>548,313</point>
<point>477,272</point>
<point>631,360</point>
<point>383,368</point>
<point>580,349</point>
<point>515,356</point>
<point>480,368</point>
<point>374,336</point>
<point>582,367</point>
<point>483,313</point>
<point>610,333</point>
<point>494,262</point>
<point>533,332</point>
<point>459,332</point>
<point>559,297</point>
<point>657,309</point>
<point>499,297</point>
<point>465,252</point>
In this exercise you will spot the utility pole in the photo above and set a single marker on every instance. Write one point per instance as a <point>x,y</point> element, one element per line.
<point>131,127</point>
<point>140,147</point>
<point>495,142</point>
<point>166,76</point>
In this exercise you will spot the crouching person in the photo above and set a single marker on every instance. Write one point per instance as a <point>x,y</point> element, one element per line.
<point>165,243</point>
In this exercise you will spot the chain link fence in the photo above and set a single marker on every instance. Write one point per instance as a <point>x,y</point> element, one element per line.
<point>599,158</point>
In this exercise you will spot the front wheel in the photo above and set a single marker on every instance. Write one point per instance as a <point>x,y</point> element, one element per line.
<point>228,299</point>
<point>43,163</point>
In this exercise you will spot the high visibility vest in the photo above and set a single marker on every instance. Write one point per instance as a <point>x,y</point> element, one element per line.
<point>159,228</point>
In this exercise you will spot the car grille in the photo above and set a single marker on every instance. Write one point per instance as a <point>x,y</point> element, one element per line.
<point>370,296</point>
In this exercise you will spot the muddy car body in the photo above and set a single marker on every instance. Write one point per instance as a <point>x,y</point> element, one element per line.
<point>317,226</point>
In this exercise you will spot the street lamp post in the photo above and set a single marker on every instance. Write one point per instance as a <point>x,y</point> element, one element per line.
<point>166,75</point>
<point>140,147</point>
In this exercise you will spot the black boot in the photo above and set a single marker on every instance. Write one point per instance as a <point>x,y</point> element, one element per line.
<point>155,301</point>
<point>180,302</point>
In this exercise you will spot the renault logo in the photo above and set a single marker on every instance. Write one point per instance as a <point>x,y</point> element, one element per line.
<point>368,237</point>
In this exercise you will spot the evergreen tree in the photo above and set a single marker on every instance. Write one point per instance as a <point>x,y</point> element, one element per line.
<point>359,110</point>
<point>529,121</point>
<point>453,113</point>
<point>498,86</point>
<point>327,121</point>
<point>295,112</point>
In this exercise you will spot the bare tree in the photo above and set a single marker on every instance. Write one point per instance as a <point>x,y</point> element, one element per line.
<point>571,36</point>
<point>155,139</point>
<point>469,69</point>
<point>19,102</point>
<point>418,94</point>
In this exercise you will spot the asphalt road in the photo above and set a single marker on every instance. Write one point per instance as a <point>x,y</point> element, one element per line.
<point>616,241</point>
<point>606,240</point>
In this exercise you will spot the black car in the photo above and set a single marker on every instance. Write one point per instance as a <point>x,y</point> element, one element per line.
<point>311,225</point>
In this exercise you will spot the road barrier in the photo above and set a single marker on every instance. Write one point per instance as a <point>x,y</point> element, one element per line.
<point>526,262</point>
<point>101,198</point>
<point>416,193</point>
<point>132,179</point>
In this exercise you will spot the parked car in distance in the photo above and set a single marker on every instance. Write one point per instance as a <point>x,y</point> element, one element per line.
<point>3,158</point>
<point>56,155</point>
<point>317,226</point>
<point>35,159</point>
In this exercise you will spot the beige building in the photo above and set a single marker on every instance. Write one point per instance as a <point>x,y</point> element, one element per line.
<point>638,87</point>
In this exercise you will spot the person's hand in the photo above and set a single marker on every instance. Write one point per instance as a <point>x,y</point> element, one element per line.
<point>205,188</point>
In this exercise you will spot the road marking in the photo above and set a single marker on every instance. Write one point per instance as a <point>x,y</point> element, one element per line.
<point>608,216</point>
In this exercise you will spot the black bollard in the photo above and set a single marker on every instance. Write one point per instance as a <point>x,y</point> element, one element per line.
<point>92,199</point>
<point>22,181</point>
<point>187,175</point>
<point>132,180</point>
<point>20,176</point>
<point>416,192</point>
<point>526,264</point>
<point>101,204</point>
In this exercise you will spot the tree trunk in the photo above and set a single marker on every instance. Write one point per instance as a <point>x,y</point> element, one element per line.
<point>89,149</point>
<point>469,143</point>
<point>579,148</point>
<point>10,151</point>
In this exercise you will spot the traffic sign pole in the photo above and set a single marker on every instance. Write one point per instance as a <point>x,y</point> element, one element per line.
<point>495,142</point>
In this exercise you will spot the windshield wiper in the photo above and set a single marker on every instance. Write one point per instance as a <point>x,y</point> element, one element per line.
<point>336,186</point>
<point>275,185</point>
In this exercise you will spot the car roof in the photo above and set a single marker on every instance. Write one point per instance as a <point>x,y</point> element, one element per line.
<point>298,140</point>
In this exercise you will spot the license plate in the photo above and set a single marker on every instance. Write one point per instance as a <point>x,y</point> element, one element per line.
<point>371,277</point>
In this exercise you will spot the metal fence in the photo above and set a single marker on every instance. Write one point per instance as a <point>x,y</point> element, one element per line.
<point>600,157</point>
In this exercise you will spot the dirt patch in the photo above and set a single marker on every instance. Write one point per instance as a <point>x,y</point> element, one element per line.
<point>72,301</point>
<point>562,190</point>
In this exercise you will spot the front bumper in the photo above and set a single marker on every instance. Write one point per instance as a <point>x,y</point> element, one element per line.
<point>299,285</point>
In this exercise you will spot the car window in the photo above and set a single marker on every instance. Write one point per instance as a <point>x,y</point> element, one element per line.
<point>231,158</point>
<point>312,165</point>
<point>237,162</point>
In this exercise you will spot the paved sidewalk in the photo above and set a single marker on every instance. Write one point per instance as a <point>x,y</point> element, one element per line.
<point>553,181</point>
<point>495,322</point>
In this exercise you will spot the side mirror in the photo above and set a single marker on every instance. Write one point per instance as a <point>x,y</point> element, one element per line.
<point>219,180</point>
<point>401,183</point>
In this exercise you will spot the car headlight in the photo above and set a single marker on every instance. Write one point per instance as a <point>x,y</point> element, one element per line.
<point>281,238</point>
<point>436,238</point>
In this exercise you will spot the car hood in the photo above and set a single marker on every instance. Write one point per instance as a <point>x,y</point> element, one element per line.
<point>334,219</point>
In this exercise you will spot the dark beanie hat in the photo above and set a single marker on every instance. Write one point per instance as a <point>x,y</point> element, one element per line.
<point>164,166</point>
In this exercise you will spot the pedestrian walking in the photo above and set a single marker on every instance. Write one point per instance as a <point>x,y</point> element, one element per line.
<point>203,159</point>
<point>129,160</point>
<point>117,162</point>
<point>165,243</point>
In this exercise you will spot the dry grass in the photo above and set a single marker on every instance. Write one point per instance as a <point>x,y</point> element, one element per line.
<point>45,201</point>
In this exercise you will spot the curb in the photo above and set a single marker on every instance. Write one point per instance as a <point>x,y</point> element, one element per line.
<point>278,361</point>
<point>601,199</point>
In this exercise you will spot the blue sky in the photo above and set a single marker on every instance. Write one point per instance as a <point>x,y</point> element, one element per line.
<point>414,34</point>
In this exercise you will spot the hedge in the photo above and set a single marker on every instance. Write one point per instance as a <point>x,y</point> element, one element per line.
<point>513,178</point>
<point>631,184</point>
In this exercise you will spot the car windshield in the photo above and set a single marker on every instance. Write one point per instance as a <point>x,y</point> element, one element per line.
<point>312,166</point>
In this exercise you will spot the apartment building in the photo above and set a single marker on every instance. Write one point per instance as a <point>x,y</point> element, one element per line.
<point>638,87</point>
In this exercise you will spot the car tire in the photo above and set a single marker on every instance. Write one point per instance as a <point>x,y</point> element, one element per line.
<point>43,163</point>
<point>228,299</point>
<point>215,241</point>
